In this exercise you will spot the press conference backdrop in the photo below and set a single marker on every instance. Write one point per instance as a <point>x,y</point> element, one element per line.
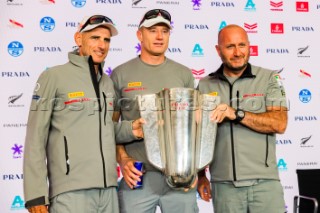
<point>284,35</point>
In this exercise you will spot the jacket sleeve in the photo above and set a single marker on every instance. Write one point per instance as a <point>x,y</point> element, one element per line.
<point>34,165</point>
<point>123,132</point>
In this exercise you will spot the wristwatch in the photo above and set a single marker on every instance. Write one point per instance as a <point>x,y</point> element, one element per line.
<point>239,115</point>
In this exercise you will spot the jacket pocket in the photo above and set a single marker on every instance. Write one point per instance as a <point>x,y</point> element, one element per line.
<point>66,155</point>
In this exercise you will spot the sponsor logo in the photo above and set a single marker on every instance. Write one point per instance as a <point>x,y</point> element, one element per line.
<point>12,99</point>
<point>305,96</point>
<point>115,49</point>
<point>302,29</point>
<point>174,50</point>
<point>250,28</point>
<point>302,6</point>
<point>15,48</point>
<point>47,49</point>
<point>12,177</point>
<point>138,4</point>
<point>17,151</point>
<point>196,4</point>
<point>304,74</point>
<point>277,51</point>
<point>287,187</point>
<point>15,24</point>
<point>109,1</point>
<point>197,51</point>
<point>108,71</point>
<point>301,52</point>
<point>72,24</point>
<point>133,89</point>
<point>75,94</point>
<point>196,27</point>
<point>47,24</point>
<point>17,203</point>
<point>14,2</point>
<point>168,2</point>
<point>134,84</point>
<point>307,163</point>
<point>198,73</point>
<point>254,50</point>
<point>276,6</point>
<point>15,74</point>
<point>282,165</point>
<point>14,125</point>
<point>305,142</point>
<point>277,28</point>
<point>283,142</point>
<point>78,3</point>
<point>222,4</point>
<point>138,48</point>
<point>222,25</point>
<point>47,1</point>
<point>305,118</point>
<point>133,25</point>
<point>250,6</point>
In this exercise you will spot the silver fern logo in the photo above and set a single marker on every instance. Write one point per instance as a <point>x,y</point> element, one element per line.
<point>14,98</point>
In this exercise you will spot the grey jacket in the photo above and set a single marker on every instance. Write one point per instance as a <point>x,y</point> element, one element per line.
<point>70,140</point>
<point>241,153</point>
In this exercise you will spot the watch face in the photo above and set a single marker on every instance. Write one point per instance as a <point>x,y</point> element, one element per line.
<point>240,113</point>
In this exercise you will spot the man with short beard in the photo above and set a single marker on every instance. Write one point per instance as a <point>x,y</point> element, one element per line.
<point>244,173</point>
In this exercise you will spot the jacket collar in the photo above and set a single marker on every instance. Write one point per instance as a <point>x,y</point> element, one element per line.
<point>247,73</point>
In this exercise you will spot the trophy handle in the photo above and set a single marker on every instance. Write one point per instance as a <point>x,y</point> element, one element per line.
<point>207,130</point>
<point>150,111</point>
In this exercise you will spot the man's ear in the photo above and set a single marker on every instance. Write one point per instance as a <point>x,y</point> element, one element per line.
<point>139,35</point>
<point>78,39</point>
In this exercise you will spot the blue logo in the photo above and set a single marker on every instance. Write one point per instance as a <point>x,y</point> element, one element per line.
<point>15,48</point>
<point>197,51</point>
<point>17,203</point>
<point>222,25</point>
<point>305,96</point>
<point>250,6</point>
<point>78,3</point>
<point>47,24</point>
<point>282,165</point>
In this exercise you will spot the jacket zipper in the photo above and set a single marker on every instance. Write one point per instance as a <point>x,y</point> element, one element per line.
<point>105,104</point>
<point>97,91</point>
<point>66,155</point>
<point>232,138</point>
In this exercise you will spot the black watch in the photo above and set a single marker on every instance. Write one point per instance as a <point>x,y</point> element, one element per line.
<point>239,115</point>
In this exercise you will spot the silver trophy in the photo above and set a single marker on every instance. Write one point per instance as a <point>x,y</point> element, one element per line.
<point>178,135</point>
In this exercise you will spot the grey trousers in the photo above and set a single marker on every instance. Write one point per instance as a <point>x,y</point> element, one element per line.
<point>265,196</point>
<point>155,192</point>
<point>86,201</point>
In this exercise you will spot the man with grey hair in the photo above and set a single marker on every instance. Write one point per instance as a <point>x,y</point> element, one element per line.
<point>70,140</point>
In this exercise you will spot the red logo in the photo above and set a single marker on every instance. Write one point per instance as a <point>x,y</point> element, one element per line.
<point>15,23</point>
<point>276,6</point>
<point>304,73</point>
<point>254,51</point>
<point>197,73</point>
<point>277,28</point>
<point>302,6</point>
<point>250,26</point>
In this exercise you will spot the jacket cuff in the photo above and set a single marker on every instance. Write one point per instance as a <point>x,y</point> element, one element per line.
<point>37,202</point>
